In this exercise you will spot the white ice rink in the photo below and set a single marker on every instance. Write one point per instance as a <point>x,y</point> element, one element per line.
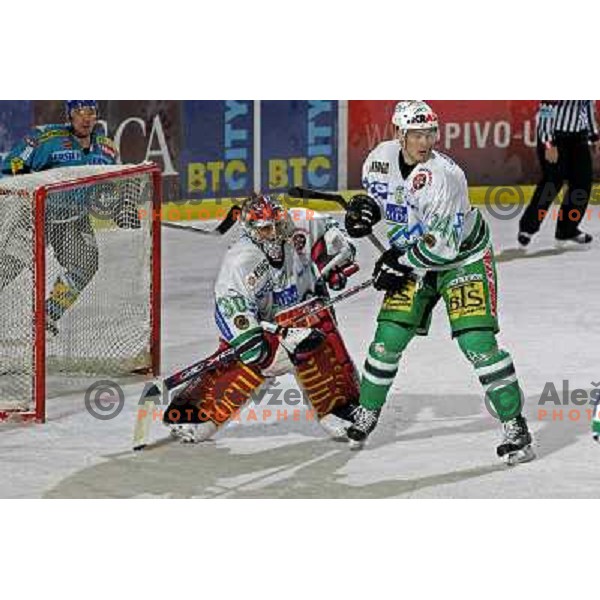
<point>435,438</point>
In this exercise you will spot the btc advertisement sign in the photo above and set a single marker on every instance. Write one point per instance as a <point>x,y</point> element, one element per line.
<point>299,144</point>
<point>493,140</point>
<point>217,155</point>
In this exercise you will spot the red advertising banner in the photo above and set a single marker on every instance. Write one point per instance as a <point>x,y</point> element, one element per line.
<point>493,140</point>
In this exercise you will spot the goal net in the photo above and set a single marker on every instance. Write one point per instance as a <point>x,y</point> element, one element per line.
<point>79,280</point>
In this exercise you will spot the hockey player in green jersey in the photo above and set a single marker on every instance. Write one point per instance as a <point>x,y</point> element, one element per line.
<point>439,247</point>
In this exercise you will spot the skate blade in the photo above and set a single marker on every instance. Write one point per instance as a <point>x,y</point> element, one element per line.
<point>356,445</point>
<point>520,456</point>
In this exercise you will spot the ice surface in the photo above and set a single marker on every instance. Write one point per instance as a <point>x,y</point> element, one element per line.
<point>435,438</point>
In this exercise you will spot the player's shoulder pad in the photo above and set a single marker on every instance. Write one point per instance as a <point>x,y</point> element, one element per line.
<point>443,162</point>
<point>246,262</point>
<point>45,133</point>
<point>382,156</point>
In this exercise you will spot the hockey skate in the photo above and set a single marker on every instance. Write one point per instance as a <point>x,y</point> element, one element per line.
<point>524,239</point>
<point>516,445</point>
<point>337,422</point>
<point>192,433</point>
<point>580,238</point>
<point>364,423</point>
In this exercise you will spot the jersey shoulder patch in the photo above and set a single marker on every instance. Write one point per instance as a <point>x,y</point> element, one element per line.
<point>106,141</point>
<point>49,132</point>
<point>421,178</point>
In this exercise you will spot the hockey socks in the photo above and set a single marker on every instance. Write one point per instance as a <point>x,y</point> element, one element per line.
<point>496,372</point>
<point>381,365</point>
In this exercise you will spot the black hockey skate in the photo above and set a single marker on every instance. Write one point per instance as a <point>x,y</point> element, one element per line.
<point>524,239</point>
<point>337,422</point>
<point>516,445</point>
<point>365,420</point>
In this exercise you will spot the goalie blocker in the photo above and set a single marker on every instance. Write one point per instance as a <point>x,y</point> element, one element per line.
<point>322,367</point>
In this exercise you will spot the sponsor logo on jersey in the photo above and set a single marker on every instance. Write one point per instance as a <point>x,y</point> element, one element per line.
<point>421,179</point>
<point>465,279</point>
<point>378,166</point>
<point>67,144</point>
<point>286,297</point>
<point>377,190</point>
<point>66,155</point>
<point>396,214</point>
<point>466,299</point>
<point>241,322</point>
<point>429,240</point>
<point>399,195</point>
<point>31,141</point>
<point>261,270</point>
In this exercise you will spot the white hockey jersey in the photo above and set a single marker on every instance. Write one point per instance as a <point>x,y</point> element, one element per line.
<point>250,290</point>
<point>429,213</point>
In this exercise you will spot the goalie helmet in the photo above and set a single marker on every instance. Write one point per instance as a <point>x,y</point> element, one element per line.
<point>267,224</point>
<point>71,105</point>
<point>414,114</point>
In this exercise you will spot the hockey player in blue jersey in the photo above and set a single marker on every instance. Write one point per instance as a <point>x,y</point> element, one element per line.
<point>80,141</point>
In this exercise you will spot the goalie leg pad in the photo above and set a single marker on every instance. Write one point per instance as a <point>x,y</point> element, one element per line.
<point>216,396</point>
<point>328,376</point>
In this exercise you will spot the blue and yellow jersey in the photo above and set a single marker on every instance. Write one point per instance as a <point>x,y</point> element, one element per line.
<point>50,146</point>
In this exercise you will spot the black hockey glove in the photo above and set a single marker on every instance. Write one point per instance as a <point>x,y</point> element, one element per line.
<point>389,274</point>
<point>362,213</point>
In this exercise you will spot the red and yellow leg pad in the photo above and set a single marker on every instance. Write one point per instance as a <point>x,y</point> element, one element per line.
<point>217,395</point>
<point>328,377</point>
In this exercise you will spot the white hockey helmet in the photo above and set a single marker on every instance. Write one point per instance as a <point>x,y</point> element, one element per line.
<point>414,114</point>
<point>260,211</point>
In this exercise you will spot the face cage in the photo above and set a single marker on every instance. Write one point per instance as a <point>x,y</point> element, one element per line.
<point>283,230</point>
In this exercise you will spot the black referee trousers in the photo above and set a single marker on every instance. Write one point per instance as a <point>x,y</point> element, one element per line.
<point>575,167</point>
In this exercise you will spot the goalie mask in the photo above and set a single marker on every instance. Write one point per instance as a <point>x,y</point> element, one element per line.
<point>267,224</point>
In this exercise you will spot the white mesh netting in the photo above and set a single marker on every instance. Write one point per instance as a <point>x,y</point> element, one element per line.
<point>98,288</point>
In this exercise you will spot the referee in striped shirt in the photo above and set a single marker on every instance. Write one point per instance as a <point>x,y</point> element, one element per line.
<point>565,130</point>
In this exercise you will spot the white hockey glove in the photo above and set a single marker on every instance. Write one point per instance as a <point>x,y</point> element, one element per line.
<point>334,257</point>
<point>295,345</point>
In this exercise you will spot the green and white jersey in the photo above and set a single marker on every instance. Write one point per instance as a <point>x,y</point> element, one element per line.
<point>249,289</point>
<point>428,214</point>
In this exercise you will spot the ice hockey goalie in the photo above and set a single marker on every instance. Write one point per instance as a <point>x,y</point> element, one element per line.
<point>279,270</point>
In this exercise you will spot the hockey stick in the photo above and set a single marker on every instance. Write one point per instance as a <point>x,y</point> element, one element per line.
<point>306,193</point>
<point>223,227</point>
<point>153,393</point>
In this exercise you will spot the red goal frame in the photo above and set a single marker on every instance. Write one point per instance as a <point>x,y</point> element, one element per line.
<point>38,413</point>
